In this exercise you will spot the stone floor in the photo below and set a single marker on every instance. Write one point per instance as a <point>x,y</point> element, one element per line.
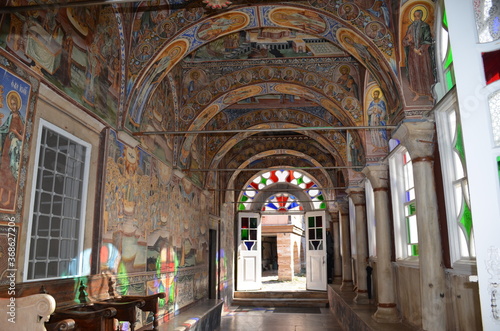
<point>270,282</point>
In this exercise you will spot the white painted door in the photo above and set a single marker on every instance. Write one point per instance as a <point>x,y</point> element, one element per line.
<point>249,252</point>
<point>316,251</point>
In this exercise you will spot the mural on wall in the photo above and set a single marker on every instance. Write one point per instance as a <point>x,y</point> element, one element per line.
<point>419,53</point>
<point>76,49</point>
<point>160,116</point>
<point>14,105</point>
<point>153,219</point>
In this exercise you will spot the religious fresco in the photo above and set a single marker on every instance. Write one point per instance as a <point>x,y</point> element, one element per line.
<point>265,43</point>
<point>77,49</point>
<point>142,199</point>
<point>377,115</point>
<point>370,60</point>
<point>306,20</point>
<point>417,52</point>
<point>14,107</point>
<point>159,116</point>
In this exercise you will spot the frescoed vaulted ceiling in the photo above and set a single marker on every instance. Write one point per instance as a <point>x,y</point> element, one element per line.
<point>207,88</point>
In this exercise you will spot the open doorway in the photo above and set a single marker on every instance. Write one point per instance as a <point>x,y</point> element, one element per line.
<point>283,253</point>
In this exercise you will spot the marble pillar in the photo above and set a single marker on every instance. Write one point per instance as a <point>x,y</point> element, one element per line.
<point>357,195</point>
<point>418,138</point>
<point>337,259</point>
<point>386,307</point>
<point>347,284</point>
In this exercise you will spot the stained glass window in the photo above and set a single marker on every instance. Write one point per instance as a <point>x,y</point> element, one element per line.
<point>282,202</point>
<point>446,55</point>
<point>296,178</point>
<point>409,206</point>
<point>495,116</point>
<point>452,152</point>
<point>487,20</point>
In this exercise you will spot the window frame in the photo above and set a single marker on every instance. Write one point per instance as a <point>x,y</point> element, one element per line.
<point>398,191</point>
<point>449,104</point>
<point>43,124</point>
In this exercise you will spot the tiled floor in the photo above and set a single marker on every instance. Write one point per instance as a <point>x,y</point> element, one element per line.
<point>278,319</point>
<point>268,319</point>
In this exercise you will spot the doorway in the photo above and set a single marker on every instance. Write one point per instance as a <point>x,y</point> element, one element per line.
<point>281,251</point>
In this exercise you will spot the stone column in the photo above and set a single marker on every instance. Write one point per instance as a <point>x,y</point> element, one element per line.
<point>285,256</point>
<point>347,285</point>
<point>337,259</point>
<point>357,195</point>
<point>386,307</point>
<point>418,138</point>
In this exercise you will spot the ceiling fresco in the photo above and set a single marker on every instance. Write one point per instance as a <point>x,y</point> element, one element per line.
<point>206,88</point>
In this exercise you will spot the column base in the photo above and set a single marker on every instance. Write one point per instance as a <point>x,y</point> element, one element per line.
<point>362,297</point>
<point>337,279</point>
<point>387,313</point>
<point>347,286</point>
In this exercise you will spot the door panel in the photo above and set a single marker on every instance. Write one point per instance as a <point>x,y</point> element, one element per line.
<point>316,251</point>
<point>249,252</point>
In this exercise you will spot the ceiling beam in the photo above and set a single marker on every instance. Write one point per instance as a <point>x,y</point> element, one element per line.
<point>282,190</point>
<point>319,128</point>
<point>279,168</point>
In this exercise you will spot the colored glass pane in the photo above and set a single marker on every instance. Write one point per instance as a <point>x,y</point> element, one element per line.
<point>310,222</point>
<point>244,234</point>
<point>445,20</point>
<point>450,79</point>
<point>498,166</point>
<point>244,198</point>
<point>320,197</point>
<point>312,234</point>
<point>241,207</point>
<point>319,233</point>
<point>449,59</point>
<point>253,222</point>
<point>414,250</point>
<point>459,143</point>
<point>466,220</point>
<point>322,205</point>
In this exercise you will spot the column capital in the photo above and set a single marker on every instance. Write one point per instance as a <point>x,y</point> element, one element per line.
<point>357,195</point>
<point>343,207</point>
<point>378,175</point>
<point>418,138</point>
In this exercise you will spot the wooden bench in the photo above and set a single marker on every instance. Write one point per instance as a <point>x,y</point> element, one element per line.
<point>200,316</point>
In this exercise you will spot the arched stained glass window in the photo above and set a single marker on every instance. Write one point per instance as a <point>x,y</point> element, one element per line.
<point>282,202</point>
<point>297,178</point>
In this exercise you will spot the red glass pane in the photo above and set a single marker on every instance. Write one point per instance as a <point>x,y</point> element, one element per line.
<point>491,63</point>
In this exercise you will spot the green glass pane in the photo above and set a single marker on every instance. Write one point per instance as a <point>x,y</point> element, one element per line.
<point>241,207</point>
<point>310,221</point>
<point>322,205</point>
<point>244,198</point>
<point>445,20</point>
<point>449,58</point>
<point>253,223</point>
<point>498,166</point>
<point>263,180</point>
<point>300,180</point>
<point>410,209</point>
<point>459,143</point>
<point>466,220</point>
<point>414,250</point>
<point>244,234</point>
<point>319,233</point>
<point>450,79</point>
<point>320,197</point>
